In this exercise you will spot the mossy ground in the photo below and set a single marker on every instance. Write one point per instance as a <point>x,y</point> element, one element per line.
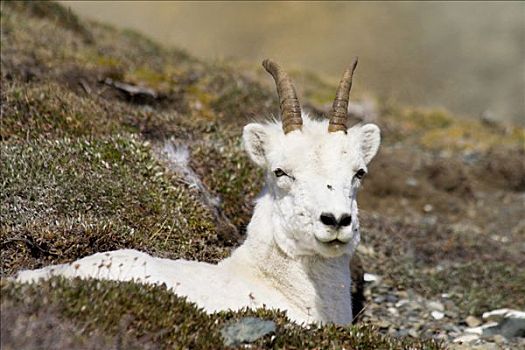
<point>110,306</point>
<point>79,175</point>
<point>79,196</point>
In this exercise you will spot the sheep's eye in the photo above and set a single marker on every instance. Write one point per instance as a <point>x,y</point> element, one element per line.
<point>360,173</point>
<point>279,172</point>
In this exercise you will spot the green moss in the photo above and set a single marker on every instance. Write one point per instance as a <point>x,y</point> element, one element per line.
<point>53,12</point>
<point>471,136</point>
<point>29,110</point>
<point>224,167</point>
<point>430,119</point>
<point>236,98</point>
<point>74,197</point>
<point>437,129</point>
<point>148,76</point>
<point>105,61</point>
<point>170,322</point>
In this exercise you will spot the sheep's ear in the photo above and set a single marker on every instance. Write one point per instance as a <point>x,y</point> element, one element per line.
<point>370,140</point>
<point>256,142</point>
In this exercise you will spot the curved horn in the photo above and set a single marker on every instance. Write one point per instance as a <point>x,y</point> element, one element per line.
<point>339,113</point>
<point>288,101</point>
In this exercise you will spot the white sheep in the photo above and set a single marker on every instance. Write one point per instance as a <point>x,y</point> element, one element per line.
<point>304,228</point>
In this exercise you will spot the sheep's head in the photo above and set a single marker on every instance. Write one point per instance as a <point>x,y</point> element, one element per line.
<point>313,169</point>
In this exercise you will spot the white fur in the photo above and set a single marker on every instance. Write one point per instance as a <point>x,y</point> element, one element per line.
<point>286,261</point>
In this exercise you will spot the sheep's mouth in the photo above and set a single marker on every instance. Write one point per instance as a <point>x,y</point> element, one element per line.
<point>333,242</point>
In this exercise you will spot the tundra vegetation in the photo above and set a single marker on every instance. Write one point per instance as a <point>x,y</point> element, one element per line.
<point>84,108</point>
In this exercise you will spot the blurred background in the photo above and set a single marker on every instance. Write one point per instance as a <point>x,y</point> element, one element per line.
<point>468,57</point>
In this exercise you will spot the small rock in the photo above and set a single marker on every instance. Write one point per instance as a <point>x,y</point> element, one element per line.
<point>427,208</point>
<point>411,182</point>
<point>481,329</point>
<point>449,304</point>
<point>486,346</point>
<point>499,314</point>
<point>499,238</point>
<point>402,302</point>
<point>472,321</point>
<point>429,220</point>
<point>419,324</point>
<point>499,339</point>
<point>402,333</point>
<point>393,311</point>
<point>379,299</point>
<point>368,277</point>
<point>454,334</point>
<point>402,294</point>
<point>391,298</point>
<point>451,314</point>
<point>450,327</point>
<point>246,330</point>
<point>383,324</point>
<point>466,338</point>
<point>435,305</point>
<point>437,315</point>
<point>413,333</point>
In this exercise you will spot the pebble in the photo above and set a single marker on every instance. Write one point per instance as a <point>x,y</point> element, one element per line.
<point>391,298</point>
<point>467,338</point>
<point>411,182</point>
<point>427,208</point>
<point>393,311</point>
<point>383,324</point>
<point>413,333</point>
<point>402,333</point>
<point>437,315</point>
<point>499,314</point>
<point>379,299</point>
<point>481,329</point>
<point>451,314</point>
<point>403,294</point>
<point>435,305</point>
<point>499,339</point>
<point>402,302</point>
<point>472,321</point>
<point>369,277</point>
<point>246,330</point>
<point>405,313</point>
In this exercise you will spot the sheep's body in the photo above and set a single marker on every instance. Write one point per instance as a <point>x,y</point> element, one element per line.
<point>212,287</point>
<point>303,232</point>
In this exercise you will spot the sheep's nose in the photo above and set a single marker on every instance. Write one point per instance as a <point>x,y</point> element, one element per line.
<point>345,220</point>
<point>329,220</point>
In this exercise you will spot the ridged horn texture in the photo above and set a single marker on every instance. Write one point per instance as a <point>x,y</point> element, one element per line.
<point>288,101</point>
<point>339,113</point>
